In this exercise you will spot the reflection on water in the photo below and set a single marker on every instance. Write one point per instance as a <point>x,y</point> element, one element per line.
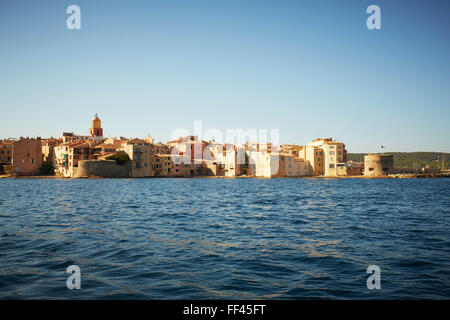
<point>224,238</point>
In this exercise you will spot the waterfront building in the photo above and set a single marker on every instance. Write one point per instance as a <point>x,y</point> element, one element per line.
<point>162,165</point>
<point>27,156</point>
<point>6,151</point>
<point>292,149</point>
<point>179,168</point>
<point>48,150</point>
<point>314,157</point>
<point>224,157</point>
<point>189,146</point>
<point>262,160</point>
<point>334,155</point>
<point>68,154</point>
<point>141,155</point>
<point>292,166</point>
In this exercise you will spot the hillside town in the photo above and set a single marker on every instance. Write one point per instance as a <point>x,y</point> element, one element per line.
<point>92,155</point>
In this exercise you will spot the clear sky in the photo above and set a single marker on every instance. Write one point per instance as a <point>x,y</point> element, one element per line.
<point>309,68</point>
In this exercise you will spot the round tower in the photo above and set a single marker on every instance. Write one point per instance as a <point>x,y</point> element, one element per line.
<point>377,165</point>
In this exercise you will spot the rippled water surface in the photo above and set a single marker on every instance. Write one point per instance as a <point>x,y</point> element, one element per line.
<point>225,238</point>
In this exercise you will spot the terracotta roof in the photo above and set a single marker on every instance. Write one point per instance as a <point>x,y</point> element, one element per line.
<point>189,138</point>
<point>136,140</point>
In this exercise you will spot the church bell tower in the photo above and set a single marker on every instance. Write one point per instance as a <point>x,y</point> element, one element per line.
<point>96,131</point>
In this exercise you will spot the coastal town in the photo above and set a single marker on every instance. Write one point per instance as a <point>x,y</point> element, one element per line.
<point>85,156</point>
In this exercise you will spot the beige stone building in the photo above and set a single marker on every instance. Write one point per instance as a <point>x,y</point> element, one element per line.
<point>141,155</point>
<point>179,168</point>
<point>334,155</point>
<point>292,166</point>
<point>162,165</point>
<point>48,150</point>
<point>159,148</point>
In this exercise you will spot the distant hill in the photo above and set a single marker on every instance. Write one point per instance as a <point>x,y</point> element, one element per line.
<point>410,159</point>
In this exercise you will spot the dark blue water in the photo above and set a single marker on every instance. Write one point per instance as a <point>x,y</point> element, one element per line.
<point>225,238</point>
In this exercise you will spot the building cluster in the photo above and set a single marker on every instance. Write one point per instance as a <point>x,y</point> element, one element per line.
<point>184,157</point>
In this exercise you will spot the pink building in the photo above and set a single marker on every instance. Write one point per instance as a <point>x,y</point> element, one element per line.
<point>27,156</point>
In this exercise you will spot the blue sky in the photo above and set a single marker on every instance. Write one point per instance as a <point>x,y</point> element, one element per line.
<point>309,68</point>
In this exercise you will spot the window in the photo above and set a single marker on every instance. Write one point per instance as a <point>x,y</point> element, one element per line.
<point>331,165</point>
<point>331,153</point>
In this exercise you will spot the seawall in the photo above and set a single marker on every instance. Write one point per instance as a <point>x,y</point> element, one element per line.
<point>103,169</point>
